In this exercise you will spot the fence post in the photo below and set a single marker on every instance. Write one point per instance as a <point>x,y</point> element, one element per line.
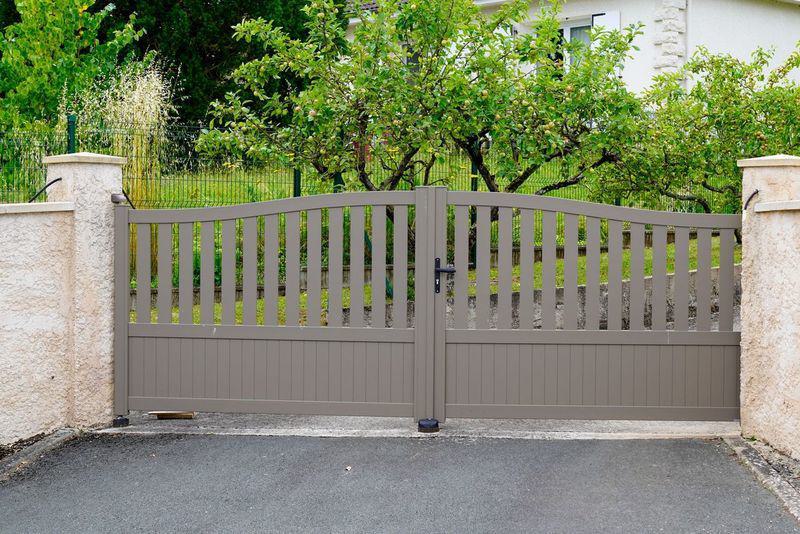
<point>770,312</point>
<point>297,191</point>
<point>423,261</point>
<point>71,122</point>
<point>338,183</point>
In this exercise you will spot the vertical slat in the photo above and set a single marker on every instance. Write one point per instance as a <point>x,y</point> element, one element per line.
<point>659,299</point>
<point>727,241</point>
<point>526,260</point>
<point>314,267</point>
<point>207,272</point>
<point>483,264</point>
<point>185,273</point>
<point>703,279</point>
<point>142,273</point>
<point>614,275</point>
<point>335,267</point>
<point>637,277</point>
<point>271,269</point>
<point>293,268</point>
<point>122,291</point>
<point>461,259</point>
<point>680,296</point>
<point>505,243</point>
<point>378,272</point>
<point>570,272</point>
<point>548,270</point>
<point>250,270</point>
<point>229,272</point>
<point>592,307</point>
<point>400,271</point>
<point>357,266</point>
<point>164,273</point>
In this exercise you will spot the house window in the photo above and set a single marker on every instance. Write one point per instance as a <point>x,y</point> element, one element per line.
<point>577,31</point>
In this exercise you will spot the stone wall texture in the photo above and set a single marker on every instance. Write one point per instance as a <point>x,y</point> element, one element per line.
<point>56,302</point>
<point>770,376</point>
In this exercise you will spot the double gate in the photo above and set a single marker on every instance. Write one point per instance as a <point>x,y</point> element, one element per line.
<point>426,304</point>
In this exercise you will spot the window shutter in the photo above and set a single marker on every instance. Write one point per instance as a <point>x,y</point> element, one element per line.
<point>609,20</point>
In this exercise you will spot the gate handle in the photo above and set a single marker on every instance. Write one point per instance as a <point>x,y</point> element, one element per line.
<point>438,269</point>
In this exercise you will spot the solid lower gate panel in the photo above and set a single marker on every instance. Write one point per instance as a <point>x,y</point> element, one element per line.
<point>261,370</point>
<point>593,381</point>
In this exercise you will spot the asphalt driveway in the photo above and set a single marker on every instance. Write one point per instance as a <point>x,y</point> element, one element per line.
<point>191,483</point>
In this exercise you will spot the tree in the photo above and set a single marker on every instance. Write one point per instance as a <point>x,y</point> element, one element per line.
<point>418,77</point>
<point>54,50</point>
<point>194,37</point>
<point>700,121</point>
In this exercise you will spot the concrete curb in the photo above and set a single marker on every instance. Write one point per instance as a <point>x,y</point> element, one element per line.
<point>21,459</point>
<point>767,475</point>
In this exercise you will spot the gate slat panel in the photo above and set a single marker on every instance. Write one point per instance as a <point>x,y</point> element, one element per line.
<point>592,300</point>
<point>314,268</point>
<point>378,271</point>
<point>526,261</point>
<point>164,273</point>
<point>681,286</point>
<point>271,269</point>
<point>614,275</point>
<point>229,271</point>
<point>357,266</point>
<point>292,268</point>
<point>570,272</point>
<point>637,277</point>
<point>504,268</point>
<point>548,270</point>
<point>142,273</point>
<point>207,272</point>
<point>461,259</point>
<point>727,242</point>
<point>335,260</point>
<point>703,279</point>
<point>658,302</point>
<point>400,268</point>
<point>483,265</point>
<point>185,273</point>
<point>250,270</point>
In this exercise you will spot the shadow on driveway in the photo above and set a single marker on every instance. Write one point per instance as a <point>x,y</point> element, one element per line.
<point>249,483</point>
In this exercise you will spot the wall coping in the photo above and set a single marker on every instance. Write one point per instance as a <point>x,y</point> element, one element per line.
<point>779,160</point>
<point>781,205</point>
<point>36,207</point>
<point>85,157</point>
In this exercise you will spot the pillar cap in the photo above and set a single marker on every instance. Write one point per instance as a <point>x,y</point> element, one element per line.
<point>87,157</point>
<point>779,160</point>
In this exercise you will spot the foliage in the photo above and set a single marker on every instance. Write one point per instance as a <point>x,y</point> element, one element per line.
<point>419,77</point>
<point>700,121</point>
<point>194,38</point>
<point>54,50</point>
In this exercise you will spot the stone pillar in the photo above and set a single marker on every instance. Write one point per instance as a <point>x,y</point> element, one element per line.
<point>88,180</point>
<point>670,37</point>
<point>770,375</point>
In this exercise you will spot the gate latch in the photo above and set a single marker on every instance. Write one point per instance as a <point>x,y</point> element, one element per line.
<point>438,269</point>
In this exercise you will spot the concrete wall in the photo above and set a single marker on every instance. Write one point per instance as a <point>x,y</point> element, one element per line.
<point>56,301</point>
<point>739,26</point>
<point>36,288</point>
<point>770,314</point>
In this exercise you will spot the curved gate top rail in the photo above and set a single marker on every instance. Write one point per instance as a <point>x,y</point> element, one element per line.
<point>590,209</point>
<point>427,302</point>
<point>274,207</point>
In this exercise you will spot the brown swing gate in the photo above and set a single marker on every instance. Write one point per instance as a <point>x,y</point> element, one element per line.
<point>426,304</point>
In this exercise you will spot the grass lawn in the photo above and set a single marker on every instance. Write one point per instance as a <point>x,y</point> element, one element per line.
<point>648,269</point>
